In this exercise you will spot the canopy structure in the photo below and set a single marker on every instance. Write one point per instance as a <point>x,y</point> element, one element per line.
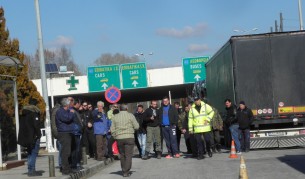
<point>12,62</point>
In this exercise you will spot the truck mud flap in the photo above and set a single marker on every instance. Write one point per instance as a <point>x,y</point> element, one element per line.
<point>277,142</point>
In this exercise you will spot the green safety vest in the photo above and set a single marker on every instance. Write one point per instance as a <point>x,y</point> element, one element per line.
<point>200,122</point>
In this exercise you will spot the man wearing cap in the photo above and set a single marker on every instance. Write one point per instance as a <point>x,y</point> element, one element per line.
<point>200,116</point>
<point>244,117</point>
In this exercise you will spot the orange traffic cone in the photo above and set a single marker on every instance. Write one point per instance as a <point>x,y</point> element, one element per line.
<point>233,151</point>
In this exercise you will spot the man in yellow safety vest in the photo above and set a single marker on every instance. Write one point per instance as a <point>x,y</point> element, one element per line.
<point>200,116</point>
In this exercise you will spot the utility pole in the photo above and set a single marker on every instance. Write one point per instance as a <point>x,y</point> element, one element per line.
<point>281,23</point>
<point>276,27</point>
<point>300,15</point>
<point>43,80</point>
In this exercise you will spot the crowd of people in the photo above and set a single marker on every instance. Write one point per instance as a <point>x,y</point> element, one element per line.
<point>77,124</point>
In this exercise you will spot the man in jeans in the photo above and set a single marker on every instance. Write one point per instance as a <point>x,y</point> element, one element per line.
<point>152,121</point>
<point>231,121</point>
<point>122,129</point>
<point>141,133</point>
<point>244,116</point>
<point>29,134</point>
<point>169,119</point>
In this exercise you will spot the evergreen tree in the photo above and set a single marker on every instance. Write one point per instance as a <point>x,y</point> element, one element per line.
<point>25,88</point>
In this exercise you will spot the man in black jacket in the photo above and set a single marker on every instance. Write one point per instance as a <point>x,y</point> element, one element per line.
<point>55,133</point>
<point>244,117</point>
<point>88,138</point>
<point>152,121</point>
<point>190,140</point>
<point>169,120</point>
<point>141,132</point>
<point>29,134</point>
<point>232,124</point>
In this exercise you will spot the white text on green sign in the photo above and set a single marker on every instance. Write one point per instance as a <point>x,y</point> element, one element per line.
<point>134,75</point>
<point>102,77</point>
<point>194,69</point>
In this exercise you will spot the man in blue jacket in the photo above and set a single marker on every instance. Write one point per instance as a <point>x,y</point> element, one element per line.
<point>169,120</point>
<point>65,126</point>
<point>101,129</point>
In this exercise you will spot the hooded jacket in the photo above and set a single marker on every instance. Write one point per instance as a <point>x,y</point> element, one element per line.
<point>29,130</point>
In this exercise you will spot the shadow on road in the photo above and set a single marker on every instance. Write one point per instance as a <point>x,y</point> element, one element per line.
<point>121,173</point>
<point>294,161</point>
<point>38,171</point>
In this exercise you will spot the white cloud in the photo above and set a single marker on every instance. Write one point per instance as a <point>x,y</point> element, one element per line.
<point>62,41</point>
<point>187,31</point>
<point>197,48</point>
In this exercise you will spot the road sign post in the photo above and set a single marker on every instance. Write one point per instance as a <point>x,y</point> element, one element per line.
<point>134,75</point>
<point>102,77</point>
<point>113,95</point>
<point>194,69</point>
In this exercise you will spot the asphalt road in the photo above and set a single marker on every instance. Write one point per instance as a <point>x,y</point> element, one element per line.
<point>262,164</point>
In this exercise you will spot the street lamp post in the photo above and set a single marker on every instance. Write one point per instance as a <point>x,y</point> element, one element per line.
<point>300,15</point>
<point>43,80</point>
<point>142,54</point>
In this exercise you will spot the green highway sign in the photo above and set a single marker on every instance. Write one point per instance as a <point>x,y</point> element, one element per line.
<point>194,69</point>
<point>102,77</point>
<point>134,75</point>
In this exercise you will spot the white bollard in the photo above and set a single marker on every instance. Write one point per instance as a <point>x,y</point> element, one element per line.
<point>55,146</point>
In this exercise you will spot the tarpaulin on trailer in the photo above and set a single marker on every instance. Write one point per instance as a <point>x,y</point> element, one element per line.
<point>263,70</point>
<point>219,79</point>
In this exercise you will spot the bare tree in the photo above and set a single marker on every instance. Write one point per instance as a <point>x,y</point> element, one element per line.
<point>61,57</point>
<point>108,59</point>
<point>65,58</point>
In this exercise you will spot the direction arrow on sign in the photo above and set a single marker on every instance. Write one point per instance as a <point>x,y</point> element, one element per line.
<point>134,83</point>
<point>197,77</point>
<point>104,86</point>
